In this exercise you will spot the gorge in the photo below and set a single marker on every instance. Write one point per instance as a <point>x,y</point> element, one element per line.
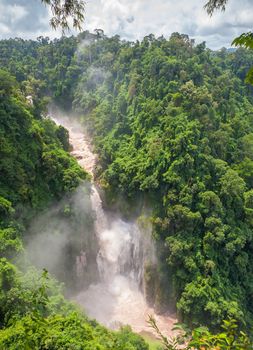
<point>170,122</point>
<point>118,297</point>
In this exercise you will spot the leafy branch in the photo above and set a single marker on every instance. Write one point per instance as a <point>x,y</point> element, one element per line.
<point>231,338</point>
<point>64,10</point>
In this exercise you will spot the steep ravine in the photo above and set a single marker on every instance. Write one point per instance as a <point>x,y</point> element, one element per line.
<point>117,298</point>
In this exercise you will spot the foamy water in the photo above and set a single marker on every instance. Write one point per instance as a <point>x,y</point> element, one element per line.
<point>117,299</point>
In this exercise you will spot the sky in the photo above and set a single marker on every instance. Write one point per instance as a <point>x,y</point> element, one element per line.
<point>133,19</point>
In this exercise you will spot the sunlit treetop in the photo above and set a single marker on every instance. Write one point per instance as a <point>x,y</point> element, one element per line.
<point>66,11</point>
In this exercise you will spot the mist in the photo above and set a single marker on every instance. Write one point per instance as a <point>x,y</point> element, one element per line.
<point>58,237</point>
<point>124,252</point>
<point>105,266</point>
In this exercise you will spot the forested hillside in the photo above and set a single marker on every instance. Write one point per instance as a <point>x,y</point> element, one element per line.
<point>172,123</point>
<point>36,172</point>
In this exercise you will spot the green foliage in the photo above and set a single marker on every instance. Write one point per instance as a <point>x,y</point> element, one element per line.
<point>60,171</point>
<point>231,338</point>
<point>172,123</point>
<point>36,170</point>
<point>71,331</point>
<point>34,167</point>
<point>246,40</point>
<point>38,317</point>
<point>5,207</point>
<point>10,242</point>
<point>7,83</point>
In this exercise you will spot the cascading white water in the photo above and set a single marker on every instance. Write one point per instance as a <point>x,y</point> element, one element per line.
<point>117,298</point>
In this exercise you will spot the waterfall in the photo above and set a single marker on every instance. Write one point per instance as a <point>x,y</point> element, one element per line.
<point>117,298</point>
<point>120,261</point>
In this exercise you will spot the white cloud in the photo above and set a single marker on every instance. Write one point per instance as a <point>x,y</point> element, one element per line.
<point>4,29</point>
<point>9,16</point>
<point>23,18</point>
<point>133,19</point>
<point>17,12</point>
<point>168,16</point>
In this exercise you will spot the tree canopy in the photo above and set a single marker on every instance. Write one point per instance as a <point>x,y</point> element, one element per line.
<point>172,126</point>
<point>36,172</point>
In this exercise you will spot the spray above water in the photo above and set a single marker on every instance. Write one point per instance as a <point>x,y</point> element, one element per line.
<point>118,297</point>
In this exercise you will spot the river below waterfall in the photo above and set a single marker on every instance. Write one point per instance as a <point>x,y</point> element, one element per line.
<point>117,299</point>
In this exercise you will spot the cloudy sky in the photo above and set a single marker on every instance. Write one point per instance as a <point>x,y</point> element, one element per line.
<point>133,19</point>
